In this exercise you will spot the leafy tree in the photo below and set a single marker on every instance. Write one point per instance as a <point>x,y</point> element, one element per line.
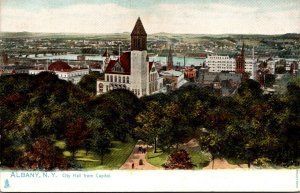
<point>88,82</point>
<point>100,138</point>
<point>76,133</point>
<point>179,160</point>
<point>150,124</point>
<point>42,155</point>
<point>117,109</point>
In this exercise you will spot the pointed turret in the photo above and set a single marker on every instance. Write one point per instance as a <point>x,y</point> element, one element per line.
<point>106,60</point>
<point>138,36</point>
<point>106,54</point>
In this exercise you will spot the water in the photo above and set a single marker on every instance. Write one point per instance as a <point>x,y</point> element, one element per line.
<point>177,61</point>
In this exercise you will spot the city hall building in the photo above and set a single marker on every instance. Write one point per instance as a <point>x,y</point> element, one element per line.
<point>132,70</point>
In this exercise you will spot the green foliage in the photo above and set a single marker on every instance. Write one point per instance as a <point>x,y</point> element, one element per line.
<point>88,82</point>
<point>249,126</point>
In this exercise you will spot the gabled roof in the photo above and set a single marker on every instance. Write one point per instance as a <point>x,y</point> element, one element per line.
<point>138,28</point>
<point>124,61</point>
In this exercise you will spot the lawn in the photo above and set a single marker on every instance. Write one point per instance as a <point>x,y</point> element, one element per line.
<point>114,160</point>
<point>156,159</point>
<point>199,159</point>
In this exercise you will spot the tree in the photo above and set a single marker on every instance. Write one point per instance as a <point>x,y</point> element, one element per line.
<point>42,155</point>
<point>100,139</point>
<point>179,160</point>
<point>117,109</point>
<point>149,124</point>
<point>88,82</point>
<point>76,133</point>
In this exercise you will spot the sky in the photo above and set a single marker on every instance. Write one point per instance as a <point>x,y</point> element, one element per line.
<point>170,16</point>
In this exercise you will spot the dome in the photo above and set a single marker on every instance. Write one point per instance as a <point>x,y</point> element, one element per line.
<point>59,66</point>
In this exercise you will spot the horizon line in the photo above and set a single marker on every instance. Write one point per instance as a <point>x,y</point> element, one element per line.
<point>94,33</point>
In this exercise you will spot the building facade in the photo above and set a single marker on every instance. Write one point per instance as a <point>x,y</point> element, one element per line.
<point>63,71</point>
<point>227,64</point>
<point>220,63</point>
<point>132,70</point>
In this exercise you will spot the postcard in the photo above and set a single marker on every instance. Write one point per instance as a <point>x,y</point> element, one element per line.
<point>139,96</point>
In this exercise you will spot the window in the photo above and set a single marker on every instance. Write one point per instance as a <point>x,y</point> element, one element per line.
<point>123,79</point>
<point>119,78</point>
<point>116,79</point>
<point>101,88</point>
<point>117,68</point>
<point>111,78</point>
<point>107,78</point>
<point>127,79</point>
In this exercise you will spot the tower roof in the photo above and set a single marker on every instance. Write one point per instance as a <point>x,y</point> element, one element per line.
<point>106,54</point>
<point>139,28</point>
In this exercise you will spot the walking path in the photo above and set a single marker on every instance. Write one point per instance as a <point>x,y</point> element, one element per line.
<point>135,158</point>
<point>223,164</point>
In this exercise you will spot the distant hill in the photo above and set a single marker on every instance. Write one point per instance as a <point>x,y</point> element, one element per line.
<point>126,35</point>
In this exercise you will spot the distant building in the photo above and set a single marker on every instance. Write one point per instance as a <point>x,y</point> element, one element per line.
<point>240,64</point>
<point>132,70</point>
<point>81,57</point>
<point>190,73</point>
<point>220,63</point>
<point>173,79</point>
<point>223,83</point>
<point>63,71</point>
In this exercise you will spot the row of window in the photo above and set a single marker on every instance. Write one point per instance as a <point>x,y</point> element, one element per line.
<point>219,57</point>
<point>153,77</point>
<point>117,78</point>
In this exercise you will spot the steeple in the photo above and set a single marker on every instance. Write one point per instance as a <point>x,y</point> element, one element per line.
<point>106,60</point>
<point>240,61</point>
<point>170,60</point>
<point>138,37</point>
<point>243,50</point>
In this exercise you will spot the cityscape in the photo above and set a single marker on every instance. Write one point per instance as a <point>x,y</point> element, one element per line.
<point>138,98</point>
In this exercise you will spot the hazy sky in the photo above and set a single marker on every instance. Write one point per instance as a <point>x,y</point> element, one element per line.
<point>173,16</point>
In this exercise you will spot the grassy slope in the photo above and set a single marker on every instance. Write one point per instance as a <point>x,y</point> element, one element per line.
<point>118,155</point>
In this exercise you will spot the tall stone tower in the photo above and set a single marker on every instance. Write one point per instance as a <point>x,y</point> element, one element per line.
<point>240,61</point>
<point>138,37</point>
<point>138,59</point>
<point>170,60</point>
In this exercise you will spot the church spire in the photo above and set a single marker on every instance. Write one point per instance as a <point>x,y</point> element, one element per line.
<point>138,36</point>
<point>170,60</point>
